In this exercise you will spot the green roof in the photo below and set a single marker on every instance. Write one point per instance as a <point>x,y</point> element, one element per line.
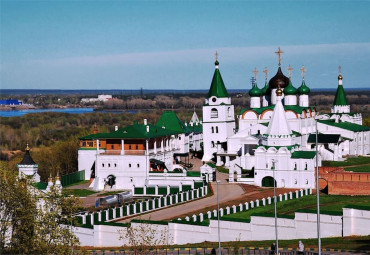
<point>295,108</point>
<point>304,154</point>
<point>265,88</point>
<point>255,91</point>
<point>169,120</point>
<point>303,89</point>
<point>345,125</point>
<point>290,89</point>
<point>340,96</point>
<point>323,138</point>
<point>217,88</point>
<point>211,165</point>
<point>196,128</point>
<point>138,131</point>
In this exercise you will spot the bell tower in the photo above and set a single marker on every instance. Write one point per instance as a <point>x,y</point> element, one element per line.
<point>218,117</point>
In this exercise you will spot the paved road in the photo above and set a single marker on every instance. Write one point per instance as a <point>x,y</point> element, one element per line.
<point>227,192</point>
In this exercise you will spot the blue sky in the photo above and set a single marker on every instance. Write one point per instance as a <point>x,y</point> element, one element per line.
<point>171,44</point>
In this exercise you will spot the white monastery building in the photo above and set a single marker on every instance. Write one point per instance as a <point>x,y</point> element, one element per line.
<point>275,139</point>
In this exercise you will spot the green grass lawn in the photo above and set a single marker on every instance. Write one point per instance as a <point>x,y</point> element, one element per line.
<point>331,204</point>
<point>222,169</point>
<point>348,162</point>
<point>361,169</point>
<point>78,192</point>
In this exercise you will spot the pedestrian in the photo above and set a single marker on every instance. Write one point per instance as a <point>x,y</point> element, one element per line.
<point>273,247</point>
<point>300,248</point>
<point>213,251</point>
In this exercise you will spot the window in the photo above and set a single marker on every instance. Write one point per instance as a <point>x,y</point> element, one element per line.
<point>229,112</point>
<point>102,164</point>
<point>213,144</point>
<point>129,147</point>
<point>112,146</point>
<point>108,164</point>
<point>216,129</point>
<point>295,166</point>
<point>214,113</point>
<point>129,165</point>
<point>115,165</point>
<point>213,129</point>
<point>179,137</point>
<point>306,181</point>
<point>138,165</point>
<point>136,147</point>
<point>305,166</point>
<point>295,181</point>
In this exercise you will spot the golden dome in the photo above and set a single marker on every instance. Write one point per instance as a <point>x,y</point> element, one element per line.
<point>340,77</point>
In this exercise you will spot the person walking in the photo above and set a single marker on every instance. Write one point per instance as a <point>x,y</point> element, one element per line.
<point>273,248</point>
<point>300,248</point>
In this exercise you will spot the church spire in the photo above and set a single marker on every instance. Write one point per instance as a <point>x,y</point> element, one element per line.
<point>340,96</point>
<point>278,125</point>
<point>217,88</point>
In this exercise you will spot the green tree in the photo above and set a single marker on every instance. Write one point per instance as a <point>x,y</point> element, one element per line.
<point>32,221</point>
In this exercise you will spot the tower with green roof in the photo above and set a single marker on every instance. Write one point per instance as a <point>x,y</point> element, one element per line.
<point>303,91</point>
<point>340,104</point>
<point>255,93</point>
<point>218,117</point>
<point>290,92</point>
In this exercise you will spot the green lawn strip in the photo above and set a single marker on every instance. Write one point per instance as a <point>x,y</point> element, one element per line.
<point>329,204</point>
<point>363,169</point>
<point>77,183</point>
<point>222,169</point>
<point>79,192</point>
<point>109,193</point>
<point>348,162</point>
<point>347,243</point>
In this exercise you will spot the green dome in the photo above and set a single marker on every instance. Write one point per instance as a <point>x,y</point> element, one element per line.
<point>303,89</point>
<point>290,90</point>
<point>255,91</point>
<point>265,88</point>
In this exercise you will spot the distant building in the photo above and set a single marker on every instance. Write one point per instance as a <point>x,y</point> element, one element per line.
<point>101,98</point>
<point>10,102</point>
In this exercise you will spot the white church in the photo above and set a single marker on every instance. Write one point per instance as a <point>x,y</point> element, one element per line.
<point>276,136</point>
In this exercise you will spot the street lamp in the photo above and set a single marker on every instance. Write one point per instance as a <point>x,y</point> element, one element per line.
<point>218,219</point>
<point>275,210</point>
<point>317,191</point>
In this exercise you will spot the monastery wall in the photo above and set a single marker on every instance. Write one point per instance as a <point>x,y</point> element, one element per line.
<point>342,182</point>
<point>304,225</point>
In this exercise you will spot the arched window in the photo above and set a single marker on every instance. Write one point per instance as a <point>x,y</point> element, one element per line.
<point>229,111</point>
<point>213,129</point>
<point>213,144</point>
<point>214,113</point>
<point>216,129</point>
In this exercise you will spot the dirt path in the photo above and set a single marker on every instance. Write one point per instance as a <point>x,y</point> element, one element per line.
<point>227,192</point>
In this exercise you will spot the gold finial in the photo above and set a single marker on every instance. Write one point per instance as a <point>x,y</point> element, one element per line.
<point>266,71</point>
<point>340,77</point>
<point>279,92</point>
<point>255,71</point>
<point>50,179</point>
<point>27,148</point>
<point>290,69</point>
<point>279,53</point>
<point>303,70</point>
<point>57,178</point>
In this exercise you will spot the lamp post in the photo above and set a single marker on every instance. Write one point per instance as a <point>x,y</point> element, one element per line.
<point>218,219</point>
<point>275,210</point>
<point>317,191</point>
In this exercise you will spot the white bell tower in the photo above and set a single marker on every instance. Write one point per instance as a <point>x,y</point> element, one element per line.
<point>218,117</point>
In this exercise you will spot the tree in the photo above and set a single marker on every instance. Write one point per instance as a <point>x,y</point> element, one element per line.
<point>32,221</point>
<point>144,237</point>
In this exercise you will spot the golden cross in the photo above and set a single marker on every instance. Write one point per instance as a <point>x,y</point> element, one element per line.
<point>266,72</point>
<point>303,70</point>
<point>290,69</point>
<point>216,55</point>
<point>255,71</point>
<point>340,69</point>
<point>279,53</point>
